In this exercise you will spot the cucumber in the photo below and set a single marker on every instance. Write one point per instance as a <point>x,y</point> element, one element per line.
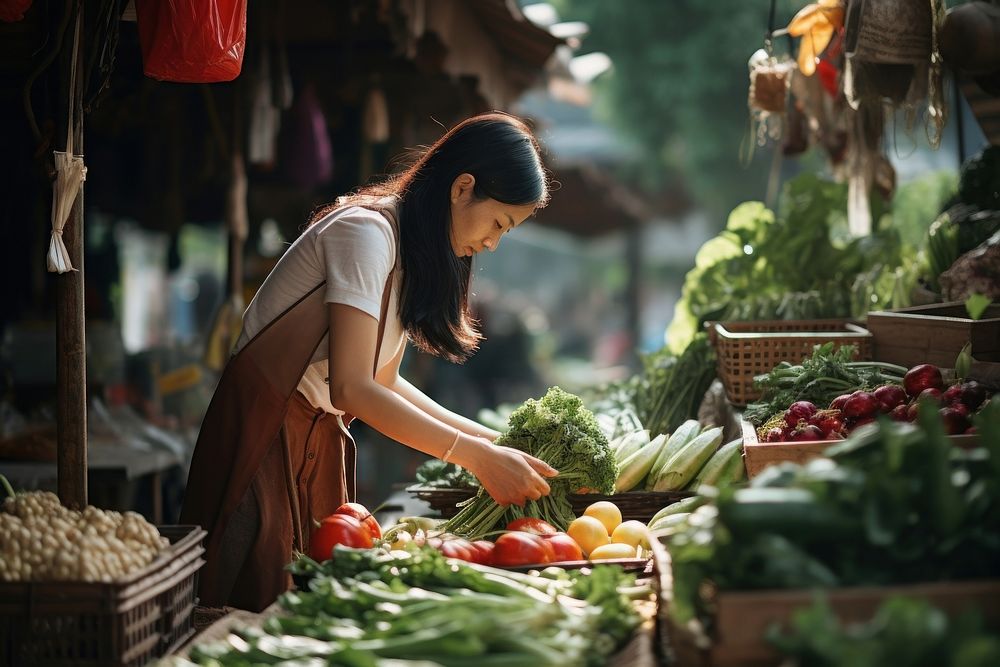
<point>680,437</point>
<point>667,521</point>
<point>630,444</point>
<point>787,511</point>
<point>635,468</point>
<point>683,466</point>
<point>680,507</point>
<point>712,471</point>
<point>734,472</point>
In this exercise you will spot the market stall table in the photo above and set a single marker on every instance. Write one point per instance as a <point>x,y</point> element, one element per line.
<point>108,466</point>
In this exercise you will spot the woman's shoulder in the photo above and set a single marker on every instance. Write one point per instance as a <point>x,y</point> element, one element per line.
<point>355,225</point>
<point>352,218</point>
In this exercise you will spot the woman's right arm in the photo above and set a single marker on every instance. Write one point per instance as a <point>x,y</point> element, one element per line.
<point>508,476</point>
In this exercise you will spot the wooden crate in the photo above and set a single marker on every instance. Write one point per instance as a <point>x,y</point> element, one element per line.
<point>744,350</point>
<point>742,618</point>
<point>759,455</point>
<point>934,334</point>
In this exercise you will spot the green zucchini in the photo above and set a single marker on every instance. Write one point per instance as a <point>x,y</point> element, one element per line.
<point>684,434</point>
<point>635,468</point>
<point>683,506</point>
<point>683,466</point>
<point>630,444</point>
<point>712,472</point>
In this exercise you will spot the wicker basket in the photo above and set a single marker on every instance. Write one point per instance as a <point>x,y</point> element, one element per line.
<point>637,505</point>
<point>130,622</point>
<point>747,349</point>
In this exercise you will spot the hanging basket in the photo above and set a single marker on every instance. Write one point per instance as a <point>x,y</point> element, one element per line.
<point>889,31</point>
<point>769,80</point>
<point>888,44</point>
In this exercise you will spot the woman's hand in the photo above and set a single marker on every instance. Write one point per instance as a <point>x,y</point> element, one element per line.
<point>509,475</point>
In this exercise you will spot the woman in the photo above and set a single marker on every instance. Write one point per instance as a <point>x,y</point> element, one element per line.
<point>323,339</point>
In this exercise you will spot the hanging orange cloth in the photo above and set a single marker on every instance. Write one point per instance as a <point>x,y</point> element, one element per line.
<point>815,24</point>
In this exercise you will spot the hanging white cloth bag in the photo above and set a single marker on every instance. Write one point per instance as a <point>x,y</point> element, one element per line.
<point>70,175</point>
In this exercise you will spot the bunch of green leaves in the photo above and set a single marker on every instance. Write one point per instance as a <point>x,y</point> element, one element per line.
<point>437,474</point>
<point>820,378</point>
<point>559,430</point>
<point>673,385</point>
<point>955,232</point>
<point>799,264</point>
<point>895,503</point>
<point>904,632</point>
<point>370,607</point>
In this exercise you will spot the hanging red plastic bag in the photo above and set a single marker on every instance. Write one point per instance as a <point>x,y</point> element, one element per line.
<point>192,41</point>
<point>12,11</point>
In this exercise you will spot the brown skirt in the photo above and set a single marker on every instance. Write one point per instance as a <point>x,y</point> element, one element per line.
<point>307,473</point>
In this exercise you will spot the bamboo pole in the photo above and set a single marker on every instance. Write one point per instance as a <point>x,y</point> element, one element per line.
<point>71,344</point>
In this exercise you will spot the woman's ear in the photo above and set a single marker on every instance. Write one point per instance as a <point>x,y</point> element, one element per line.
<point>461,187</point>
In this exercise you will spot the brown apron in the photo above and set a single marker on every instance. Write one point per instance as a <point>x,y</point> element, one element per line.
<point>267,462</point>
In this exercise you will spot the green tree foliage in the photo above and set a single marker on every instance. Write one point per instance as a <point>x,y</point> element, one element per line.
<point>679,87</point>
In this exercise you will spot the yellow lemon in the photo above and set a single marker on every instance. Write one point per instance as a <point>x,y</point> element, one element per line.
<point>633,533</point>
<point>607,513</point>
<point>609,551</point>
<point>588,532</point>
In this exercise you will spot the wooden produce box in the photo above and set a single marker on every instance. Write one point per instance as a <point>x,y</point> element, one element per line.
<point>744,350</point>
<point>759,455</point>
<point>934,334</point>
<point>742,618</point>
<point>131,622</point>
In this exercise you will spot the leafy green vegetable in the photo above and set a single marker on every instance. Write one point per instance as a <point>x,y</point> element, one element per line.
<point>904,632</point>
<point>673,386</point>
<point>559,430</point>
<point>365,607</point>
<point>977,304</point>
<point>979,178</point>
<point>802,263</point>
<point>435,473</point>
<point>667,392</point>
<point>894,503</point>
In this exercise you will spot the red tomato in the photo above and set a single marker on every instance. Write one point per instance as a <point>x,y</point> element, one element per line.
<point>482,552</point>
<point>564,546</point>
<point>338,529</point>
<point>361,513</point>
<point>527,524</point>
<point>518,548</point>
<point>456,549</point>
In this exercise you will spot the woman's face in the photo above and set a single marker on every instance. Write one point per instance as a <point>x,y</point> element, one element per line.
<point>477,225</point>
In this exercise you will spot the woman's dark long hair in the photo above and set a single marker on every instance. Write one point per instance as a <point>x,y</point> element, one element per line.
<point>501,152</point>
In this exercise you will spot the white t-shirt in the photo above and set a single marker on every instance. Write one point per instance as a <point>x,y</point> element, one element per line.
<point>352,249</point>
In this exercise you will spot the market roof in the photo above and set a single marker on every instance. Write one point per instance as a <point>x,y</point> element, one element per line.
<point>490,39</point>
<point>589,202</point>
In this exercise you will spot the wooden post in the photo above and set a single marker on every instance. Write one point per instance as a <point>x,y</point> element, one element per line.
<point>71,344</point>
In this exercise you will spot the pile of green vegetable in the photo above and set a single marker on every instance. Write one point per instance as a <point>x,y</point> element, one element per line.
<point>689,457</point>
<point>436,474</point>
<point>375,608</point>
<point>559,430</point>
<point>895,503</point>
<point>665,394</point>
<point>800,262</point>
<point>972,218</point>
<point>905,632</point>
<point>819,379</point>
